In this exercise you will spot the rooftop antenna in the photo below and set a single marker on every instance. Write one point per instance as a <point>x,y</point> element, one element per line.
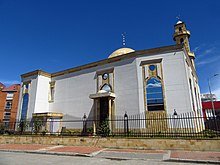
<point>123,39</point>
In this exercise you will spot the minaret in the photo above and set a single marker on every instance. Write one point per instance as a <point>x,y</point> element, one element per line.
<point>181,36</point>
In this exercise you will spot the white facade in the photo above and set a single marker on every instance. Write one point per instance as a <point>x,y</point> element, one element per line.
<point>154,81</point>
<point>72,90</point>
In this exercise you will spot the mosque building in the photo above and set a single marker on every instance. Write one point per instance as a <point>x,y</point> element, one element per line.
<point>152,81</point>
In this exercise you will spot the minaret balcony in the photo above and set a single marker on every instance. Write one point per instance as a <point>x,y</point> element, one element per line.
<point>180,33</point>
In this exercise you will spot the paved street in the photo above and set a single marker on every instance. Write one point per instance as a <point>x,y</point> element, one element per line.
<point>15,158</point>
<point>26,154</point>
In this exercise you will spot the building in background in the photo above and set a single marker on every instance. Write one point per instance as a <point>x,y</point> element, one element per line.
<point>9,97</point>
<point>211,114</point>
<point>207,109</point>
<point>207,106</point>
<point>158,81</point>
<point>206,97</point>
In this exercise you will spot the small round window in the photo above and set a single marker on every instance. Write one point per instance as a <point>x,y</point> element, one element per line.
<point>105,76</point>
<point>152,67</point>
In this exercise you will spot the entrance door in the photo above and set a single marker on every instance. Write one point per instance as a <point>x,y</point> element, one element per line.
<point>104,111</point>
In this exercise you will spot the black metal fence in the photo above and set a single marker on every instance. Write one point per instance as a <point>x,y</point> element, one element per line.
<point>153,125</point>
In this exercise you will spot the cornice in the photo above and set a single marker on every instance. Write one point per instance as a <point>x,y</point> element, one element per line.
<point>139,53</point>
<point>36,72</point>
<point>190,63</point>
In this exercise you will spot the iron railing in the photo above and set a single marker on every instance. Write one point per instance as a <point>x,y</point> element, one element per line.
<point>153,125</point>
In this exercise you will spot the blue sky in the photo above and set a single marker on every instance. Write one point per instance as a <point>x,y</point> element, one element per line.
<point>55,35</point>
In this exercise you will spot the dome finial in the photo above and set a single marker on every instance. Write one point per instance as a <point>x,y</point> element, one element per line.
<point>123,39</point>
<point>123,50</point>
<point>178,19</point>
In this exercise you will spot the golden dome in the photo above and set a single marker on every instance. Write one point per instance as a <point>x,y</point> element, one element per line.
<point>121,51</point>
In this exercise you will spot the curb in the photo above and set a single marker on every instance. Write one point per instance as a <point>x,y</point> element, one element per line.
<point>49,153</point>
<point>166,157</point>
<point>192,161</point>
<point>93,154</point>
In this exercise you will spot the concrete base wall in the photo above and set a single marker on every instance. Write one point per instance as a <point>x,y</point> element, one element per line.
<point>128,143</point>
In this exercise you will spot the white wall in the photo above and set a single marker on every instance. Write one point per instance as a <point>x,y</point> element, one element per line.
<point>42,91</point>
<point>176,84</point>
<point>176,88</point>
<point>72,94</point>
<point>72,90</point>
<point>126,87</point>
<point>195,97</point>
<point>19,104</point>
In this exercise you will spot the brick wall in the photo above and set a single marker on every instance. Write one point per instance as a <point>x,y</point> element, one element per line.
<point>2,104</point>
<point>15,105</point>
<point>3,94</point>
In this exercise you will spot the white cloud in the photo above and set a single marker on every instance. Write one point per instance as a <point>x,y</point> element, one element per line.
<point>208,51</point>
<point>156,84</point>
<point>206,61</point>
<point>217,93</point>
<point>9,82</point>
<point>206,54</point>
<point>203,53</point>
<point>196,49</point>
<point>216,87</point>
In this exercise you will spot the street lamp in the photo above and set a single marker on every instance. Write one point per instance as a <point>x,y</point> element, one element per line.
<point>126,129</point>
<point>213,108</point>
<point>84,123</point>
<point>175,121</point>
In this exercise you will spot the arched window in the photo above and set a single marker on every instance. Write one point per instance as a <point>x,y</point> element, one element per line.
<point>24,107</point>
<point>106,87</point>
<point>181,40</point>
<point>154,94</point>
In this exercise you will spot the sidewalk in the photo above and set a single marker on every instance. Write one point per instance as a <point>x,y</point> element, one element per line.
<point>120,154</point>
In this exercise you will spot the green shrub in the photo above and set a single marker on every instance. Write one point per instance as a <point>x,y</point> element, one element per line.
<point>37,125</point>
<point>22,126</point>
<point>210,133</point>
<point>104,129</point>
<point>89,130</point>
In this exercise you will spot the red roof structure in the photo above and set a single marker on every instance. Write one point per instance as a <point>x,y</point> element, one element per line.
<point>2,85</point>
<point>11,88</point>
<point>208,105</point>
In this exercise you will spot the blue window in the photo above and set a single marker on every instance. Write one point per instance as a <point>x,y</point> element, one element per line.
<point>152,67</point>
<point>154,94</point>
<point>24,107</point>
